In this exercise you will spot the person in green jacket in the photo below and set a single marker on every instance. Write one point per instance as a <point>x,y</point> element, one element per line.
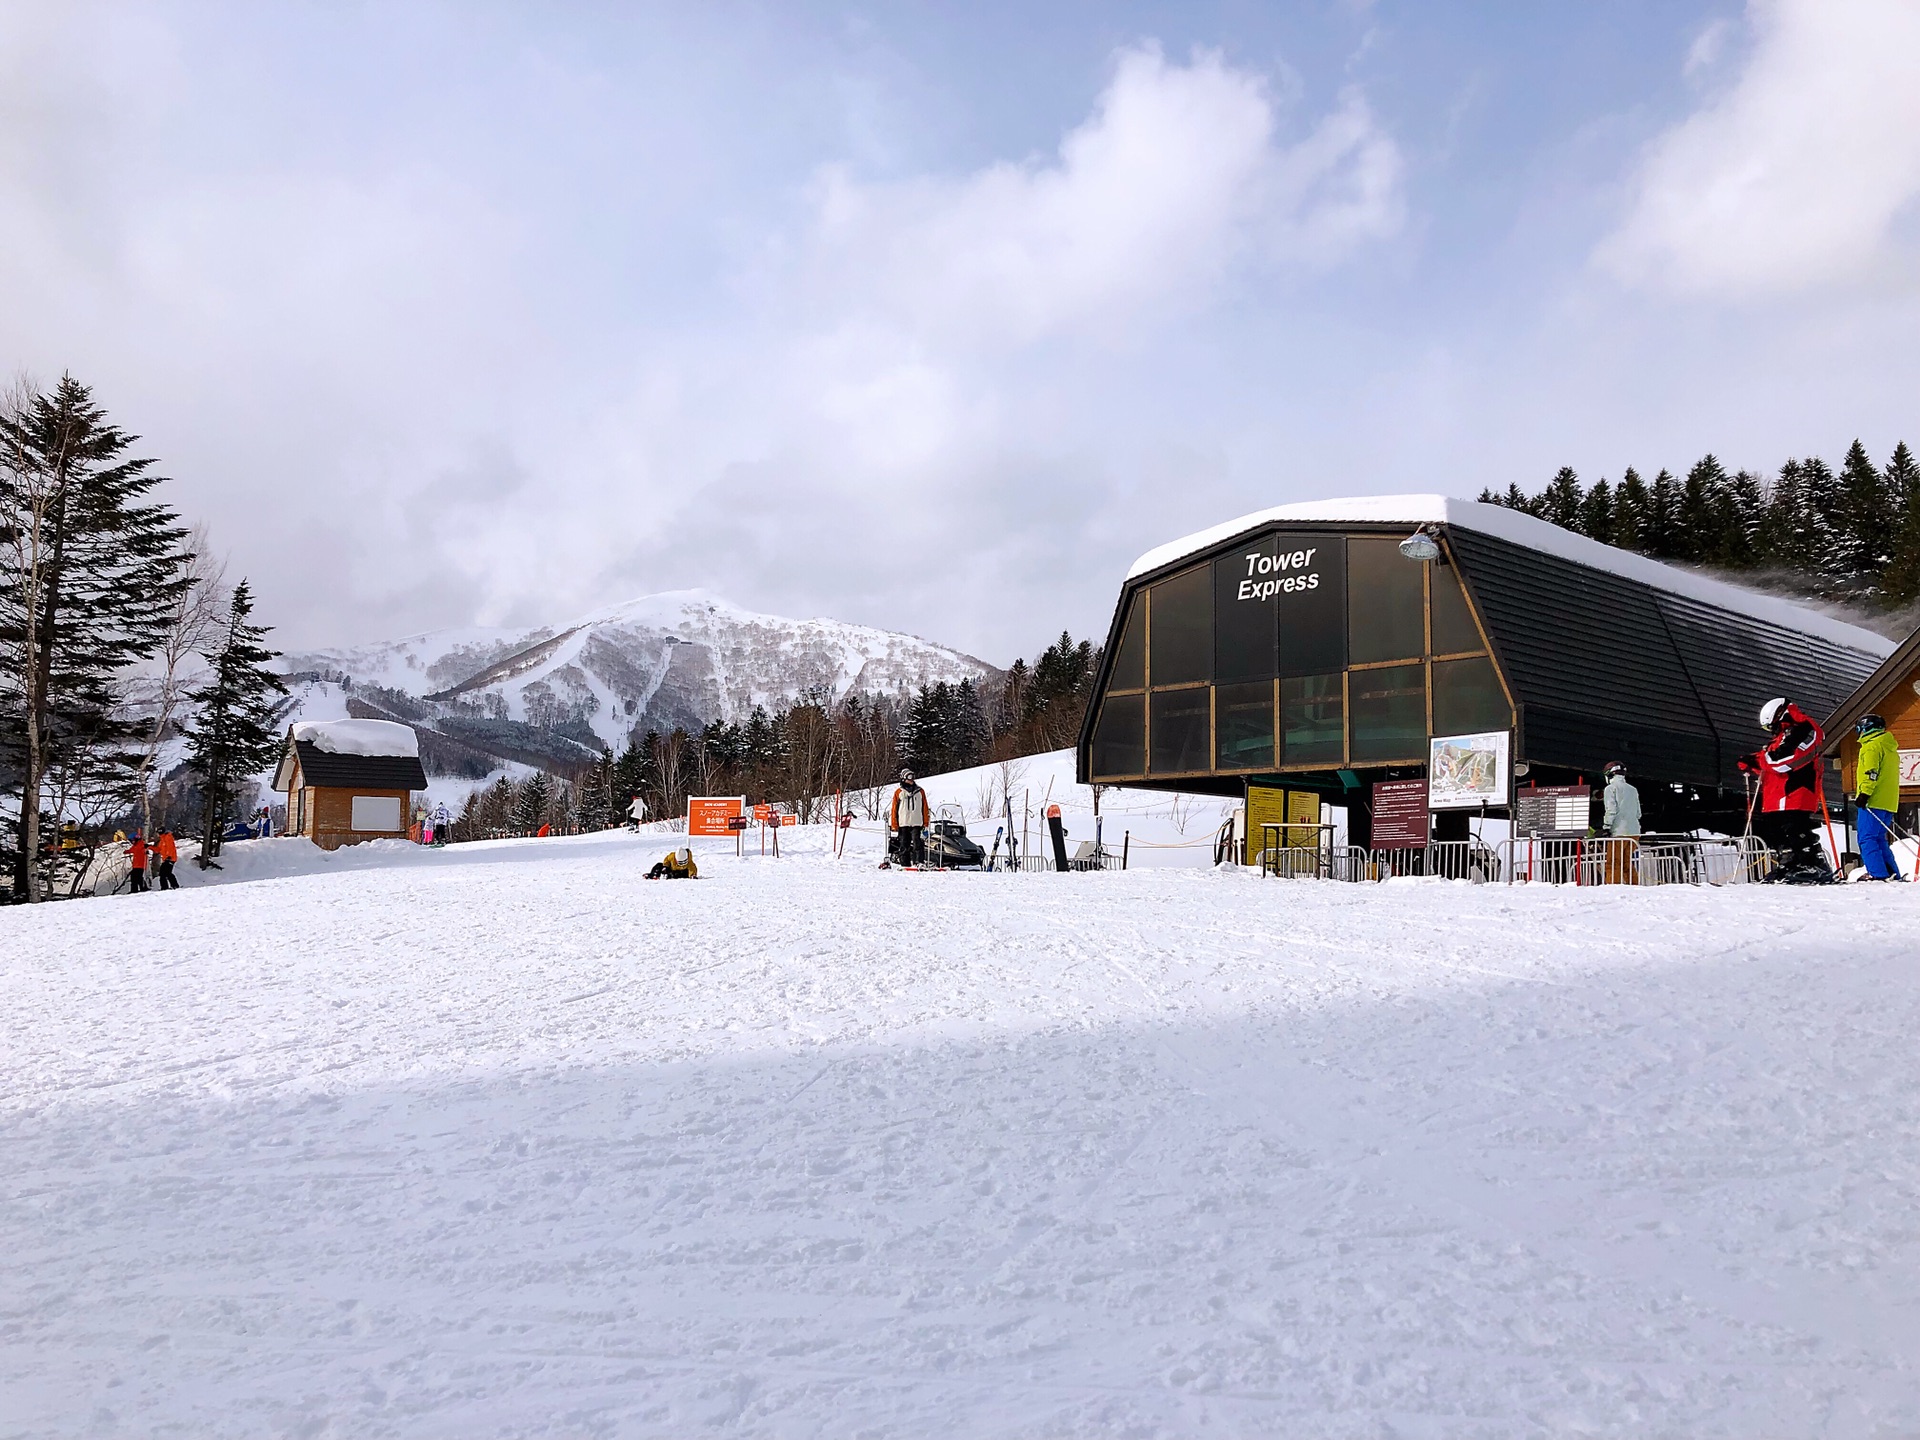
<point>1876,784</point>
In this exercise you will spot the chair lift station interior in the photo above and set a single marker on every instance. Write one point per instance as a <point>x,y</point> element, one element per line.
<point>1311,646</point>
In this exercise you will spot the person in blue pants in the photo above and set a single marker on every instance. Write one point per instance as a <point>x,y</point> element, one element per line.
<point>1877,796</point>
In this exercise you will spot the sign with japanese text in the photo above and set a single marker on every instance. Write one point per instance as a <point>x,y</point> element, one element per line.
<point>708,814</point>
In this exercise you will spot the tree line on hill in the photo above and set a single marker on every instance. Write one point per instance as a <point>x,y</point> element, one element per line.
<point>801,755</point>
<point>1851,535</point>
<point>105,601</point>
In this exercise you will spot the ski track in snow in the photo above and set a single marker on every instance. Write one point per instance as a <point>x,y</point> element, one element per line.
<point>506,1141</point>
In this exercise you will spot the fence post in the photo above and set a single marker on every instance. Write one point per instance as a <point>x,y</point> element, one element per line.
<point>1126,844</point>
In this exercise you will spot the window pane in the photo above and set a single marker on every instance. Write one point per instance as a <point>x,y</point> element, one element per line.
<point>1390,712</point>
<point>1245,624</point>
<point>1182,629</point>
<point>1385,616</point>
<point>1312,728</point>
<point>1310,574</point>
<point>1467,698</point>
<point>1454,632</point>
<point>1243,726</point>
<point>1120,739</point>
<point>1181,726</point>
<point>1130,660</point>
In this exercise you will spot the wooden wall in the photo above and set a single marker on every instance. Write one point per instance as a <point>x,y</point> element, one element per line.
<point>324,814</point>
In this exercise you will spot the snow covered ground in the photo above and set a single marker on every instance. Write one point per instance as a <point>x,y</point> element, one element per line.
<point>504,1140</point>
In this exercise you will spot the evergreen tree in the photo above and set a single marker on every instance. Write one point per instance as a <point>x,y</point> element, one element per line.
<point>594,795</point>
<point>1559,503</point>
<point>530,804</point>
<point>1900,585</point>
<point>1631,507</point>
<point>1517,501</point>
<point>233,734</point>
<point>86,562</point>
<point>1740,531</point>
<point>1823,520</point>
<point>1702,514</point>
<point>1863,541</point>
<point>1657,535</point>
<point>629,777</point>
<point>1596,513</point>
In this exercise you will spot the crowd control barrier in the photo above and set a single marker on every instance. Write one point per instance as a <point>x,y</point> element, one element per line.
<point>1530,859</point>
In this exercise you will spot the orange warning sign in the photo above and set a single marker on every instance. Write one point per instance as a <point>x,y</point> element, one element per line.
<point>709,814</point>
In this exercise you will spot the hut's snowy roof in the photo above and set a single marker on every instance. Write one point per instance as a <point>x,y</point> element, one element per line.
<point>1535,534</point>
<point>358,737</point>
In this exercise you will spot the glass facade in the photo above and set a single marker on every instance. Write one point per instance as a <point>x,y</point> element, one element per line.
<point>1180,628</point>
<point>1454,632</point>
<point>1243,726</point>
<point>1313,727</point>
<point>1130,659</point>
<point>1120,737</point>
<point>1389,712</point>
<point>1179,730</point>
<point>1386,606</point>
<point>1294,650</point>
<point>1467,697</point>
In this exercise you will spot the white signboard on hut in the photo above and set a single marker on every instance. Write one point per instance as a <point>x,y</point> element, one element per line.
<point>1465,772</point>
<point>1909,768</point>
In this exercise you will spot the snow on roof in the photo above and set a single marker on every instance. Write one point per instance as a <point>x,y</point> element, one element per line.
<point>358,737</point>
<point>1535,534</point>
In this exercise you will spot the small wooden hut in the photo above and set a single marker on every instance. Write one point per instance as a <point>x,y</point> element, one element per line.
<point>1893,693</point>
<point>349,780</point>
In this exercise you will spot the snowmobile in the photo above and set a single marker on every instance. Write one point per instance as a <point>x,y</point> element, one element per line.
<point>947,845</point>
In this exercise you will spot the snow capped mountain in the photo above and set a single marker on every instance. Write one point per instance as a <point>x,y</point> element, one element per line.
<point>683,658</point>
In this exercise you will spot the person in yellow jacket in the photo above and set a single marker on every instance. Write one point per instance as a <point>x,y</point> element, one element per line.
<point>677,866</point>
<point>1876,786</point>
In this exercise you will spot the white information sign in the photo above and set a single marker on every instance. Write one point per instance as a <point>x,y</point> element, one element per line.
<point>1467,771</point>
<point>379,814</point>
<point>1909,767</point>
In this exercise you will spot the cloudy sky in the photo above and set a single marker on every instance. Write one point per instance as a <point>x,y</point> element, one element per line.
<point>933,316</point>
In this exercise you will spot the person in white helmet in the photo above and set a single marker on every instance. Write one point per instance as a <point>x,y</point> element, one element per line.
<point>908,819</point>
<point>1789,769</point>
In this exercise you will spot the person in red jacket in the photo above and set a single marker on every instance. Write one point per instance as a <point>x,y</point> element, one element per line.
<point>1788,766</point>
<point>137,859</point>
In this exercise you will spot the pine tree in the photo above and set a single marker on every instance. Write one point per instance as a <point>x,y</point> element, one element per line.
<point>86,561</point>
<point>1863,539</point>
<point>1745,509</point>
<point>530,804</point>
<point>1631,505</point>
<point>1559,503</point>
<point>233,733</point>
<point>1702,514</point>
<point>1596,513</point>
<point>1658,530</point>
<point>1517,501</point>
<point>1900,584</point>
<point>1823,519</point>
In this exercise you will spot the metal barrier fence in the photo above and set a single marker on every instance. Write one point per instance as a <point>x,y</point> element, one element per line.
<point>1544,860</point>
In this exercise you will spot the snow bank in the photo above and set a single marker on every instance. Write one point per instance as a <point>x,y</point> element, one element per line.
<point>1536,534</point>
<point>358,737</point>
<point>507,1140</point>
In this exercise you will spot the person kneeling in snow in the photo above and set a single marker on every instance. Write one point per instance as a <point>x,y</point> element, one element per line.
<point>677,866</point>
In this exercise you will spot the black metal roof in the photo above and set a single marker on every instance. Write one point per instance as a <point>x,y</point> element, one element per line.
<point>1871,691</point>
<point>344,772</point>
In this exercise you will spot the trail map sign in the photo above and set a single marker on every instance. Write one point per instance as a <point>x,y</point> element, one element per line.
<point>1465,772</point>
<point>1399,814</point>
<point>708,814</point>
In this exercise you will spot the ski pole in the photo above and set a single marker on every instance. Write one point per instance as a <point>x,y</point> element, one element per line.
<point>1830,840</point>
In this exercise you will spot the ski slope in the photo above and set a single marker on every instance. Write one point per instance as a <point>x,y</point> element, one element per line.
<point>505,1140</point>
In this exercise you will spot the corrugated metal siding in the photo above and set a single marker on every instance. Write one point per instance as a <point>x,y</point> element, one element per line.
<point>1607,668</point>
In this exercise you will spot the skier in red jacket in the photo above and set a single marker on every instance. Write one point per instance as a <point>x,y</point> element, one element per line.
<point>1789,769</point>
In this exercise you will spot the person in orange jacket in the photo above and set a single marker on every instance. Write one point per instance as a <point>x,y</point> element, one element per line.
<point>166,852</point>
<point>908,818</point>
<point>137,860</point>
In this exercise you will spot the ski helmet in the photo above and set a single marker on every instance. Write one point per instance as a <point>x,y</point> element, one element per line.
<point>1614,767</point>
<point>1868,724</point>
<point>1771,712</point>
<point>905,774</point>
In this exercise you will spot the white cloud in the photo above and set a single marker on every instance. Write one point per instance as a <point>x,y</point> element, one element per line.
<point>1176,176</point>
<point>1796,176</point>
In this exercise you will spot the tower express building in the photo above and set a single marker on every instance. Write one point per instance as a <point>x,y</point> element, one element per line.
<point>1300,646</point>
